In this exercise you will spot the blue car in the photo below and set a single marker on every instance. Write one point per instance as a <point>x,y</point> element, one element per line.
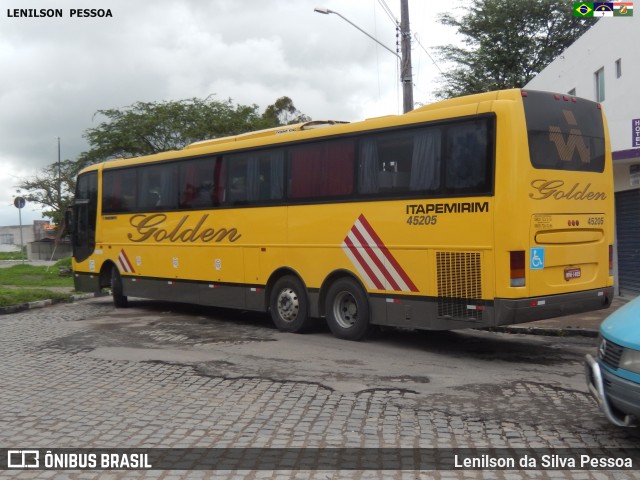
<point>613,376</point>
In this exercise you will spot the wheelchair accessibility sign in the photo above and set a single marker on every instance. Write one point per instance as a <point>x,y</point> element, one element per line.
<point>536,258</point>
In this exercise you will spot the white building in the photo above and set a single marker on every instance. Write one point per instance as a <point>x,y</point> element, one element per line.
<point>604,65</point>
<point>11,238</point>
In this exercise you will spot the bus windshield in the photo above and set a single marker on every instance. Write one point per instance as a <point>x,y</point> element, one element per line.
<point>565,133</point>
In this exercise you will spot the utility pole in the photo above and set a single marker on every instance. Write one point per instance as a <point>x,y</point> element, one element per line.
<point>59,176</point>
<point>406,74</point>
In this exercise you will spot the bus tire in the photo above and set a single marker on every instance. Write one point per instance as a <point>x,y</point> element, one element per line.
<point>347,310</point>
<point>289,305</point>
<point>119,300</point>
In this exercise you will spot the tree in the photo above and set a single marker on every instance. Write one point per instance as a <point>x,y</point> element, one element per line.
<point>284,112</point>
<point>151,127</point>
<point>43,189</point>
<point>508,43</point>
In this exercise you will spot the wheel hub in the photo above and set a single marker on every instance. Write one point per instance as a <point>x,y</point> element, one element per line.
<point>288,305</point>
<point>345,310</point>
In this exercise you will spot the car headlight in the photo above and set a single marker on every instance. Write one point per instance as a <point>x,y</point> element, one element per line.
<point>630,360</point>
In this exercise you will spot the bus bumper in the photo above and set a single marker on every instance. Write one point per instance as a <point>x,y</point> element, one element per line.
<point>624,392</point>
<point>86,282</point>
<point>524,310</point>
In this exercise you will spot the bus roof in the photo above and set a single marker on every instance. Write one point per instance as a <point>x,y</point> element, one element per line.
<point>267,132</point>
<point>280,134</point>
<point>470,99</point>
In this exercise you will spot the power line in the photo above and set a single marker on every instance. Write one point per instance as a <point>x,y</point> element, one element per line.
<point>388,11</point>
<point>415,36</point>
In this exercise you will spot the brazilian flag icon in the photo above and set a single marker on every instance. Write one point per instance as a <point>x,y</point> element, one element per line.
<point>583,9</point>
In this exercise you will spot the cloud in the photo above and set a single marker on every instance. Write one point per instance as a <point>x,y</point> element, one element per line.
<point>57,72</point>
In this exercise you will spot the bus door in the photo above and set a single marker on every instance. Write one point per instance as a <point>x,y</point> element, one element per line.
<point>83,222</point>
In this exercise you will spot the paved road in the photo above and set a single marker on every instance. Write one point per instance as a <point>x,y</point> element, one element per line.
<point>165,375</point>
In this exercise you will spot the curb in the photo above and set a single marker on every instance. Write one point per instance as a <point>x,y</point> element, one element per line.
<point>551,332</point>
<point>45,303</point>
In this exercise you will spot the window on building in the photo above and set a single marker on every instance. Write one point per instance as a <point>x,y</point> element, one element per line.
<point>6,238</point>
<point>618,68</point>
<point>599,77</point>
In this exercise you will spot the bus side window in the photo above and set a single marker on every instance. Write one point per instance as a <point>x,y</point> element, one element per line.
<point>255,178</point>
<point>467,163</point>
<point>157,187</point>
<point>119,190</point>
<point>322,169</point>
<point>197,183</point>
<point>399,163</point>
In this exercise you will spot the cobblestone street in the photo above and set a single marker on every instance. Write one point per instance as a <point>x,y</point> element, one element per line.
<point>84,375</point>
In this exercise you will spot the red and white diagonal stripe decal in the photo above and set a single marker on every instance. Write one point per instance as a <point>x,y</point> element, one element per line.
<point>125,264</point>
<point>373,260</point>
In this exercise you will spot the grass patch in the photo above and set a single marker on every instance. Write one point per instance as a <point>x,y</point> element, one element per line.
<point>63,262</point>
<point>34,276</point>
<point>18,296</point>
<point>12,256</point>
<point>23,283</point>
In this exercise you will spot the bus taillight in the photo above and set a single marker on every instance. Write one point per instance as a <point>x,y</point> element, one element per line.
<point>517,268</point>
<point>610,260</point>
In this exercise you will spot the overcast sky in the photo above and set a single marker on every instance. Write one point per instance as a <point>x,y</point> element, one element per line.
<point>55,73</point>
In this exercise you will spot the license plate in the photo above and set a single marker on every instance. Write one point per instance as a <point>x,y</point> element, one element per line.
<point>571,273</point>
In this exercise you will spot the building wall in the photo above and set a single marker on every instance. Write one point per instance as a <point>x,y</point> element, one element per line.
<point>10,237</point>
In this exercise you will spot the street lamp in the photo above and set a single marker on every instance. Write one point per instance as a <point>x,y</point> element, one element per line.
<point>405,59</point>
<point>326,11</point>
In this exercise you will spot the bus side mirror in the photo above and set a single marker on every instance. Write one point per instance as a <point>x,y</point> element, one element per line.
<point>68,221</point>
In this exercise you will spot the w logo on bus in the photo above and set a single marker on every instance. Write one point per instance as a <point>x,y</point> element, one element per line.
<point>125,264</point>
<point>373,260</point>
<point>575,141</point>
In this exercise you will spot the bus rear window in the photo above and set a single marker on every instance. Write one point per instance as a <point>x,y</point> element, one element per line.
<point>565,133</point>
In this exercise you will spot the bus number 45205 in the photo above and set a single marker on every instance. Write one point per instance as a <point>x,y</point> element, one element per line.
<point>422,219</point>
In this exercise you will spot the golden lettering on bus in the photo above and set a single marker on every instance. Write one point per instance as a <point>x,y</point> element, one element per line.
<point>150,227</point>
<point>574,141</point>
<point>556,189</point>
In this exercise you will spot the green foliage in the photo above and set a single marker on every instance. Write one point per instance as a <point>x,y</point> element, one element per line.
<point>507,43</point>
<point>52,188</point>
<point>150,127</point>
<point>284,112</point>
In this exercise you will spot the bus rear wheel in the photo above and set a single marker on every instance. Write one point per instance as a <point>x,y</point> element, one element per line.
<point>289,305</point>
<point>347,309</point>
<point>119,300</point>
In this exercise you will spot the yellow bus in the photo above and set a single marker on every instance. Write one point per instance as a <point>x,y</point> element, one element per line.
<point>472,212</point>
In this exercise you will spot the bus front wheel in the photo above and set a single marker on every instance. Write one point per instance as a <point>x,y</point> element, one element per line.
<point>289,305</point>
<point>119,300</point>
<point>347,310</point>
